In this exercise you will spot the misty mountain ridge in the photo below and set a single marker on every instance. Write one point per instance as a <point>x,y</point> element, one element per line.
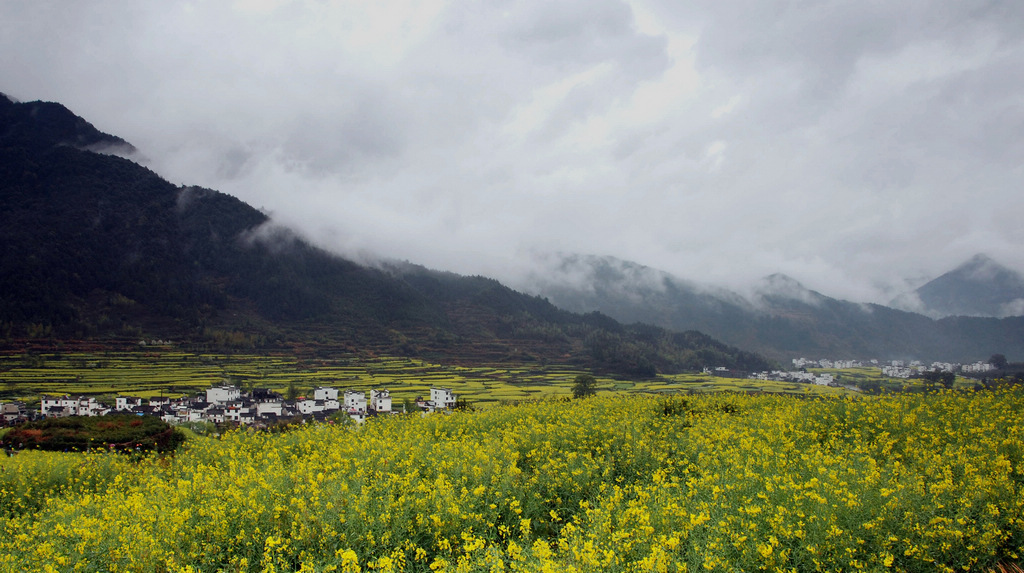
<point>96,244</point>
<point>778,317</point>
<point>40,125</point>
<point>781,287</point>
<point>978,287</point>
<point>96,247</point>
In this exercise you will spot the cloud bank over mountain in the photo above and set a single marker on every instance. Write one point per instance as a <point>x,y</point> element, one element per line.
<point>853,146</point>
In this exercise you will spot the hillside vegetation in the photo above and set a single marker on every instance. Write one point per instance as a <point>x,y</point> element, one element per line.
<point>124,432</point>
<point>96,247</point>
<point>722,482</point>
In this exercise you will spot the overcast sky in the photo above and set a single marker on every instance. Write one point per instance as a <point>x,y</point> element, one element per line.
<point>852,145</point>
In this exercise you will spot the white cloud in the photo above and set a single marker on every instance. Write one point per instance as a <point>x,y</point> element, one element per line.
<point>851,145</point>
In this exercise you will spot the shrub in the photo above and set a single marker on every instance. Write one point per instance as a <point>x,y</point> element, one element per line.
<point>122,432</point>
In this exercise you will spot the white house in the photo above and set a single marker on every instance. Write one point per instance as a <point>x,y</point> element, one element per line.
<point>442,398</point>
<point>380,400</point>
<point>896,371</point>
<point>824,379</point>
<point>50,407</point>
<point>223,394</point>
<point>13,412</point>
<point>186,414</point>
<point>238,414</point>
<point>126,403</point>
<point>307,407</point>
<point>325,393</point>
<point>978,367</point>
<point>264,408</point>
<point>67,406</point>
<point>355,402</point>
<point>215,415</point>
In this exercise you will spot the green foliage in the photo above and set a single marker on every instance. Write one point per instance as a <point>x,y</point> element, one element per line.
<point>200,428</point>
<point>933,378</point>
<point>122,432</point>
<point>293,390</point>
<point>584,385</point>
<point>233,338</point>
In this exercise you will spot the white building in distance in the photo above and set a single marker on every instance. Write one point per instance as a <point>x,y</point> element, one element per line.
<point>355,402</point>
<point>380,400</point>
<point>223,394</point>
<point>51,407</point>
<point>442,398</point>
<point>122,403</point>
<point>325,393</point>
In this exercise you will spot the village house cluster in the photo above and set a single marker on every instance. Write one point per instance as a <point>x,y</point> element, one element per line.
<point>897,368</point>
<point>892,369</point>
<point>222,404</point>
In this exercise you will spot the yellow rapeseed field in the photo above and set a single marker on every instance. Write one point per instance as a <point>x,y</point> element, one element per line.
<point>721,482</point>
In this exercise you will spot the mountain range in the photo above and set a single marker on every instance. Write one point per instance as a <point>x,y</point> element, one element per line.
<point>782,319</point>
<point>97,247</point>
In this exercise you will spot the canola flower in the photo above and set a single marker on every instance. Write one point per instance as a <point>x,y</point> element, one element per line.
<point>721,482</point>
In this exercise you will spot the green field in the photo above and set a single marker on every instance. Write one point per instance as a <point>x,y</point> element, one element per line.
<point>173,373</point>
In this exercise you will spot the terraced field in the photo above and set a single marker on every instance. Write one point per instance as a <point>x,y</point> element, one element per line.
<point>170,372</point>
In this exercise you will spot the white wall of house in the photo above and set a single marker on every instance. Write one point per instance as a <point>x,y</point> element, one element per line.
<point>264,408</point>
<point>307,407</point>
<point>48,407</point>
<point>355,401</point>
<point>13,411</point>
<point>325,393</point>
<point>68,406</point>
<point>126,402</point>
<point>223,394</point>
<point>215,415</point>
<point>380,400</point>
<point>442,397</point>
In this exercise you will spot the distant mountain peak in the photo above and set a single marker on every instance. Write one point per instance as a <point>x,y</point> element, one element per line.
<point>782,286</point>
<point>981,267</point>
<point>978,287</point>
<point>781,280</point>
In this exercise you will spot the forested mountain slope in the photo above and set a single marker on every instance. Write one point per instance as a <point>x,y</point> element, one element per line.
<point>96,246</point>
